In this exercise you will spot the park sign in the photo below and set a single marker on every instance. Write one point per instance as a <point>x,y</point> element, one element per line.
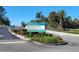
<point>36,27</point>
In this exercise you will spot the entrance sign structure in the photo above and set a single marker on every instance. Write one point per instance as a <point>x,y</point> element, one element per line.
<point>36,27</point>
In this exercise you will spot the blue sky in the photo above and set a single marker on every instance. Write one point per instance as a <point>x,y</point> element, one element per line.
<point>17,14</point>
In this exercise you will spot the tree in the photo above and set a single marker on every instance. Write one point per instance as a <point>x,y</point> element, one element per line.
<point>76,23</point>
<point>69,22</point>
<point>3,19</point>
<point>2,10</point>
<point>1,13</point>
<point>2,22</point>
<point>23,24</point>
<point>51,18</point>
<point>58,20</point>
<point>39,15</point>
<point>61,15</point>
<point>7,22</point>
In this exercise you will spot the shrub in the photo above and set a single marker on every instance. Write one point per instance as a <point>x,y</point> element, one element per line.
<point>47,38</point>
<point>42,37</point>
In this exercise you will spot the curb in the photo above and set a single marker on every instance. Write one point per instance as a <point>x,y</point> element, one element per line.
<point>24,38</point>
<point>21,37</point>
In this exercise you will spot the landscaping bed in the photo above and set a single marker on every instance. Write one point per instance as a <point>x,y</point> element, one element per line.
<point>43,38</point>
<point>48,39</point>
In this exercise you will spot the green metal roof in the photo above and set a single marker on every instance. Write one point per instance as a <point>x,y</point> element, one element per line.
<point>36,23</point>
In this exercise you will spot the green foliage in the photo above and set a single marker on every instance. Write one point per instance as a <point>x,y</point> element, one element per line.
<point>74,31</point>
<point>23,24</point>
<point>24,31</point>
<point>51,18</point>
<point>2,10</point>
<point>47,38</point>
<point>41,37</point>
<point>39,15</point>
<point>58,20</point>
<point>7,22</point>
<point>3,19</point>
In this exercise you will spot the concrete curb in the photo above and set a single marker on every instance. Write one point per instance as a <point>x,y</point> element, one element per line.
<point>21,37</point>
<point>24,38</point>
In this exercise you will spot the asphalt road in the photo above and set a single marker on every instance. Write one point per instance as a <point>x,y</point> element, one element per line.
<point>11,43</point>
<point>6,35</point>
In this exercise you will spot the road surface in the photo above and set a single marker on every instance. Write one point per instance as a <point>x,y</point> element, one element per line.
<point>11,43</point>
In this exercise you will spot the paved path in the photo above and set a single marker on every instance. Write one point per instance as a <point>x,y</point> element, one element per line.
<point>11,43</point>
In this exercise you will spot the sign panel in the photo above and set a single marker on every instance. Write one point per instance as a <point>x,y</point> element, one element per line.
<point>36,27</point>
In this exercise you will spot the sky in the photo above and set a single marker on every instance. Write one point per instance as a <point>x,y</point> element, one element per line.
<point>17,14</point>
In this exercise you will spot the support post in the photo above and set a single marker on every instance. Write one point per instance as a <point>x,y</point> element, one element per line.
<point>30,35</point>
<point>21,31</point>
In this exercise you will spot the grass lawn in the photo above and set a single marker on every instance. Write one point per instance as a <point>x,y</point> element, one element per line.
<point>73,31</point>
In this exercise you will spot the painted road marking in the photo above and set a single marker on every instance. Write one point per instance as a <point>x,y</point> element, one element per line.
<point>1,36</point>
<point>13,42</point>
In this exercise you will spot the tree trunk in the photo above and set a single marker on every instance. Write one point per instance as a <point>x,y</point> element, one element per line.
<point>61,25</point>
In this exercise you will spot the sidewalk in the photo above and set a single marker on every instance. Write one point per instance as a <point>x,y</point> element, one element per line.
<point>61,33</point>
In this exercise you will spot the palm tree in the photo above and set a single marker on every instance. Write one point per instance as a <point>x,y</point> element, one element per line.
<point>61,15</point>
<point>38,15</point>
<point>51,19</point>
